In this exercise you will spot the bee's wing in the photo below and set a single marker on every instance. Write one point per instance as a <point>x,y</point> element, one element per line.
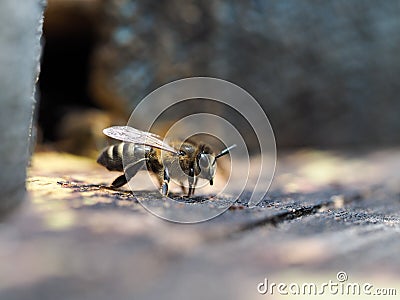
<point>136,136</point>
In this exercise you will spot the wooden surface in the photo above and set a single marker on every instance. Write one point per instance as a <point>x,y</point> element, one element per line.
<point>326,212</point>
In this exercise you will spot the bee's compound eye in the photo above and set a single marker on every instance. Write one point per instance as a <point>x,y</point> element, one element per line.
<point>204,162</point>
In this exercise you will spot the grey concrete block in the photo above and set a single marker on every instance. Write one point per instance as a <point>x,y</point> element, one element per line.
<point>20,32</point>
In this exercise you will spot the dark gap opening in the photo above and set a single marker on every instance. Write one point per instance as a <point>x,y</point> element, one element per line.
<point>69,38</point>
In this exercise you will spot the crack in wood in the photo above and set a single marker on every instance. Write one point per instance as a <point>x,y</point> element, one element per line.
<point>287,215</point>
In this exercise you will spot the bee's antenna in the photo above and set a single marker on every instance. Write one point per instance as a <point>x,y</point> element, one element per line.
<point>224,152</point>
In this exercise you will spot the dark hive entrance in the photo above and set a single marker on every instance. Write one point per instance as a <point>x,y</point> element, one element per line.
<point>69,38</point>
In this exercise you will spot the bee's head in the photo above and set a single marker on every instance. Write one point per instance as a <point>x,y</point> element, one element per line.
<point>207,162</point>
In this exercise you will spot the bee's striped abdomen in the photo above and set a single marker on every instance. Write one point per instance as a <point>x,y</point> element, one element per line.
<point>111,157</point>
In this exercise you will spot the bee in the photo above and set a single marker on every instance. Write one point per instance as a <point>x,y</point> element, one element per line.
<point>178,160</point>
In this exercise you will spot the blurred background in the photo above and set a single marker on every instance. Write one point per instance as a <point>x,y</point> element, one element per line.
<point>327,75</point>
<point>326,72</point>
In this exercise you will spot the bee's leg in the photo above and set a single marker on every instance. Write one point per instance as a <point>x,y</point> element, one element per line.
<point>183,188</point>
<point>194,184</point>
<point>164,186</point>
<point>129,172</point>
<point>119,181</point>
<point>191,180</point>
